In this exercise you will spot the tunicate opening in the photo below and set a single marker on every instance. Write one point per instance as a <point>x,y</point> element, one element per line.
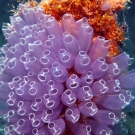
<point>36,123</point>
<point>37,42</point>
<point>104,90</point>
<point>2,66</point>
<point>68,39</point>
<point>85,61</point>
<point>11,113</point>
<point>46,96</point>
<point>104,67</point>
<point>20,103</point>
<point>69,112</point>
<point>102,82</point>
<point>117,89</point>
<point>89,104</point>
<point>48,43</point>
<point>128,93</point>
<point>101,59</point>
<point>26,11</point>
<point>84,19</point>
<point>116,71</point>
<point>6,129</point>
<point>22,31</point>
<point>35,9</point>
<point>103,132</point>
<point>41,78</point>
<point>42,17</point>
<point>51,125</point>
<point>111,115</point>
<point>13,49</point>
<point>48,24</point>
<point>55,64</point>
<point>10,102</point>
<point>50,104</point>
<point>31,116</point>
<point>51,83</point>
<point>32,91</point>
<point>38,100</point>
<point>89,73</point>
<point>19,92</point>
<point>46,52</point>
<point>53,92</point>
<point>107,44</point>
<point>21,112</point>
<point>23,59</point>
<point>62,51</point>
<point>82,53</point>
<point>44,60</point>
<point>101,38</point>
<point>73,85</point>
<point>35,131</point>
<point>35,108</point>
<point>67,17</point>
<point>89,80</point>
<point>45,70</point>
<point>73,76</point>
<point>23,83</point>
<point>32,59</point>
<point>86,88</point>
<point>66,33</point>
<point>51,18</point>
<point>65,58</point>
<point>11,94</point>
<point>11,128</point>
<point>88,128</point>
<point>51,36</point>
<point>88,30</point>
<point>30,73</point>
<point>68,92</point>
<point>122,97</point>
<point>21,122</point>
<point>49,111</point>
<point>85,25</point>
<point>16,79</point>
<point>11,64</point>
<point>32,83</point>
<point>23,41</point>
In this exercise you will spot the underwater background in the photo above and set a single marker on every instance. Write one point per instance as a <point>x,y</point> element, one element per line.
<point>128,16</point>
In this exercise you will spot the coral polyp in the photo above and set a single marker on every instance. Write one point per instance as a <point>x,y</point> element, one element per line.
<point>57,77</point>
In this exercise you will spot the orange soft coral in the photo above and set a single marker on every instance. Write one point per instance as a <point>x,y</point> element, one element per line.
<point>116,4</point>
<point>104,22</point>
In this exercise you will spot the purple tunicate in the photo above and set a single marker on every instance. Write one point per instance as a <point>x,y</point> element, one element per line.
<point>59,72</point>
<point>66,58</point>
<point>85,37</point>
<point>73,83</point>
<point>72,114</point>
<point>85,93</point>
<point>68,98</point>
<point>56,127</point>
<point>56,78</point>
<point>82,62</point>
<point>88,108</point>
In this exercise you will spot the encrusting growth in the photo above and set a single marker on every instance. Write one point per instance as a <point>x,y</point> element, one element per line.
<point>101,16</point>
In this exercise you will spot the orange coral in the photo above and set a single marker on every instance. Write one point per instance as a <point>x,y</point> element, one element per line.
<point>116,4</point>
<point>104,22</point>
